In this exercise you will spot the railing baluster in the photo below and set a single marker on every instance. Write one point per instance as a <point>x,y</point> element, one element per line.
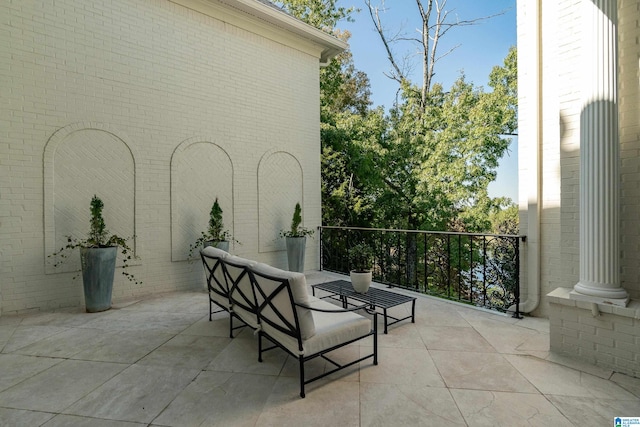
<point>471,284</point>
<point>397,258</point>
<point>426,264</point>
<point>484,271</point>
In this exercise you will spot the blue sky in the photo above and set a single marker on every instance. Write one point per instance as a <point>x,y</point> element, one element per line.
<point>482,46</point>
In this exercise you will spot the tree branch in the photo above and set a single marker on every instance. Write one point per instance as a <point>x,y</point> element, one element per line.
<point>375,17</point>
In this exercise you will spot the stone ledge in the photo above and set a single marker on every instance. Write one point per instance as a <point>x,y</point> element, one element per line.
<point>562,296</point>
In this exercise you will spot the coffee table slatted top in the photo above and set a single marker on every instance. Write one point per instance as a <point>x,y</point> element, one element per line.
<point>375,297</point>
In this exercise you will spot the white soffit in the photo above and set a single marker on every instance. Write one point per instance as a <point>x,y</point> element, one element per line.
<point>270,14</point>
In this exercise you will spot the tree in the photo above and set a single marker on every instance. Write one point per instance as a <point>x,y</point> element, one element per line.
<point>440,152</point>
<point>347,121</point>
<point>442,148</point>
<point>436,23</point>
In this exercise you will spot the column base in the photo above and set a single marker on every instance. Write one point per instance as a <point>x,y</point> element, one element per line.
<point>620,302</point>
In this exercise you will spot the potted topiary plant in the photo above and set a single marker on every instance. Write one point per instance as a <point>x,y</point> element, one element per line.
<point>215,235</point>
<point>98,254</point>
<point>361,261</point>
<point>296,241</point>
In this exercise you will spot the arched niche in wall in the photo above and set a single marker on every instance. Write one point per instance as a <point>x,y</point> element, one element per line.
<point>279,189</point>
<point>80,161</point>
<point>200,172</point>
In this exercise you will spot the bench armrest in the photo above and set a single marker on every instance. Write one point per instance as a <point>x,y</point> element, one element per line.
<point>365,307</point>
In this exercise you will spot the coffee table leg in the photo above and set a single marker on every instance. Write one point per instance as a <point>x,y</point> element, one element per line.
<point>385,320</point>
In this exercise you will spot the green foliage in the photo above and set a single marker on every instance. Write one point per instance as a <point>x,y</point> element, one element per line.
<point>505,218</point>
<point>424,165</point>
<point>296,230</point>
<point>434,163</point>
<point>216,225</point>
<point>215,232</point>
<point>322,14</point>
<point>361,257</point>
<point>98,237</point>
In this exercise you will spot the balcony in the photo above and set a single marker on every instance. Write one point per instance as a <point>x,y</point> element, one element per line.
<point>159,361</point>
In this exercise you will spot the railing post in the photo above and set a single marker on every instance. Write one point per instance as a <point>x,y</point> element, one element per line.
<point>484,271</point>
<point>426,264</point>
<point>448,265</point>
<point>321,247</point>
<point>517,274</point>
<point>471,287</point>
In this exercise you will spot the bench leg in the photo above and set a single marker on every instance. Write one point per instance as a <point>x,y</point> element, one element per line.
<point>301,360</point>
<point>413,312</point>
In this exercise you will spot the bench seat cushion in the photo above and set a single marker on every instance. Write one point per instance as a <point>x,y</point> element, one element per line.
<point>299,291</point>
<point>331,329</point>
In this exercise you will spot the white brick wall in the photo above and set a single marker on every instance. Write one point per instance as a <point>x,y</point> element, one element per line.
<point>629,116</point>
<point>153,74</point>
<point>610,339</point>
<point>559,219</point>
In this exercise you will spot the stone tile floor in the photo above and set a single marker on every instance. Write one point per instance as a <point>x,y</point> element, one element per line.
<point>158,361</point>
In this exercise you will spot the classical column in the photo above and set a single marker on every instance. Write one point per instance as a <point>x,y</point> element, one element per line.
<point>599,159</point>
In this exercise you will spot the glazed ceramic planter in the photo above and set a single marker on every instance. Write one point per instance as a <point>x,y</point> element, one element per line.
<point>360,281</point>
<point>224,244</point>
<point>295,253</point>
<point>98,268</point>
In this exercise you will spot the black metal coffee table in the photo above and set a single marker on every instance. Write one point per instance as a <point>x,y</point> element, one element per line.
<point>376,298</point>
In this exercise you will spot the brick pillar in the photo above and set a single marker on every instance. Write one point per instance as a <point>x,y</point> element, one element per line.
<point>599,159</point>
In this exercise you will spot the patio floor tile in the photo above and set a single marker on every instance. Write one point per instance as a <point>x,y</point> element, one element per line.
<point>219,399</point>
<point>123,346</point>
<point>560,380</point>
<point>18,417</point>
<point>494,408</point>
<point>76,421</point>
<point>17,368</point>
<point>479,371</point>
<point>241,355</point>
<point>454,338</point>
<point>408,405</point>
<point>187,351</point>
<point>403,366</point>
<point>139,393</point>
<point>42,392</point>
<point>159,361</point>
<point>284,408</point>
<point>594,412</point>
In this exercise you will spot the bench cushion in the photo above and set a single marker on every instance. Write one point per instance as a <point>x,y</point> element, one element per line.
<point>331,329</point>
<point>219,292</point>
<point>213,252</point>
<point>299,291</point>
<point>240,289</point>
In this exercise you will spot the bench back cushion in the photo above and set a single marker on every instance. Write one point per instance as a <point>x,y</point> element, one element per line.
<point>241,292</point>
<point>283,288</point>
<point>214,272</point>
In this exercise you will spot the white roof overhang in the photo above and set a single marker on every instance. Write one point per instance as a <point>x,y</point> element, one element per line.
<point>235,11</point>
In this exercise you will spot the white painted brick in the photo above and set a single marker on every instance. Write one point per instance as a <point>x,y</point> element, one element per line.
<point>155,73</point>
<point>597,339</point>
<point>576,326</point>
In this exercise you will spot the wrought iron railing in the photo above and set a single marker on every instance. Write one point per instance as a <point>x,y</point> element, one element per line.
<point>479,269</point>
